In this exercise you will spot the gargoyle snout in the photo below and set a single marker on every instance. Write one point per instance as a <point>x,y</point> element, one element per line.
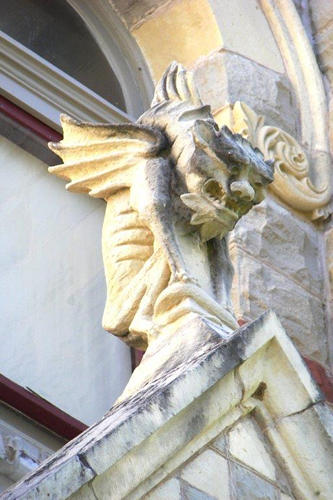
<point>242,190</point>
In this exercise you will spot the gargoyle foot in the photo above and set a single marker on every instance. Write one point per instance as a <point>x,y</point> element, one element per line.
<point>182,277</point>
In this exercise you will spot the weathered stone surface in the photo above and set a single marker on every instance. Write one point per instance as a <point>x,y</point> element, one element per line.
<point>181,410</point>
<point>169,489</point>
<point>302,314</point>
<point>241,79</point>
<point>283,241</point>
<point>264,275</point>
<point>84,493</point>
<point>190,493</point>
<point>321,13</point>
<point>134,12</point>
<point>329,289</point>
<point>221,443</point>
<point>209,473</point>
<point>314,447</point>
<point>236,20</point>
<point>245,485</point>
<point>61,482</point>
<point>247,444</point>
<point>322,21</point>
<point>283,496</point>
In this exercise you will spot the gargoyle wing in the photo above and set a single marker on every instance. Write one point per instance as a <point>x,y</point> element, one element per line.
<point>100,159</point>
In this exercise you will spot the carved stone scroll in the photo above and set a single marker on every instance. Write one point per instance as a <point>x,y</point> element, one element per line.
<point>292,183</point>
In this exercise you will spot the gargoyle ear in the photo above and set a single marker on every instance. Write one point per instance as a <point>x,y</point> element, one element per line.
<point>204,133</point>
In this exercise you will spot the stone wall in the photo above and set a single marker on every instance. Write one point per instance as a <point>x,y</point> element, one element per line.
<point>279,264</point>
<point>237,464</point>
<point>262,53</point>
<point>278,252</point>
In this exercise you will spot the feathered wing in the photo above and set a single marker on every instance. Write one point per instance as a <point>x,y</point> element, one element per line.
<point>100,159</point>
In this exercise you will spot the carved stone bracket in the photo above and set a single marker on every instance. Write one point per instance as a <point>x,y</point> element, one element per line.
<point>292,183</point>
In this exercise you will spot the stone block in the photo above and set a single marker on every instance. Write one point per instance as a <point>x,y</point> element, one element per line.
<point>135,12</point>
<point>184,26</point>
<point>245,485</point>
<point>84,493</point>
<point>169,489</point>
<point>209,473</point>
<point>314,446</point>
<point>278,266</point>
<point>236,20</point>
<point>190,493</point>
<point>267,92</point>
<point>247,444</point>
<point>321,13</point>
<point>322,24</point>
<point>279,239</point>
<point>221,443</point>
<point>259,288</point>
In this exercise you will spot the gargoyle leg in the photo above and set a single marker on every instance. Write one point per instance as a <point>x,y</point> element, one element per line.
<point>150,197</point>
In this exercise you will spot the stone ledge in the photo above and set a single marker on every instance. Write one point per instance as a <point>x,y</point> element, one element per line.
<point>192,397</point>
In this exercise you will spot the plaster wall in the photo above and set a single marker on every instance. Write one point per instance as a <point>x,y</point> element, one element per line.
<point>52,292</point>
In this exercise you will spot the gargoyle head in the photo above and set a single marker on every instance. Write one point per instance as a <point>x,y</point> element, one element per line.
<point>225,177</point>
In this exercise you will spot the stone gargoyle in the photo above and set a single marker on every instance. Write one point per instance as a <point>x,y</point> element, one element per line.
<point>175,185</point>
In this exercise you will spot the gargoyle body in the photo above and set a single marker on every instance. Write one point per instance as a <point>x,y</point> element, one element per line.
<point>175,185</point>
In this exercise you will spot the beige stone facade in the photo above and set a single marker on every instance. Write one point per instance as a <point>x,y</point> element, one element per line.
<point>250,425</point>
<point>261,53</point>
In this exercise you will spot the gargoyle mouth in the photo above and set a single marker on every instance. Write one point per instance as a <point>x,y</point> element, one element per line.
<point>214,192</point>
<point>224,216</point>
<point>210,210</point>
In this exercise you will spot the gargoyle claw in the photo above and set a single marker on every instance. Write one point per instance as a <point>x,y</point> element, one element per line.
<point>182,276</point>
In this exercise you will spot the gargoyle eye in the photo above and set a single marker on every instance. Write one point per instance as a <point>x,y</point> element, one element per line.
<point>234,170</point>
<point>258,184</point>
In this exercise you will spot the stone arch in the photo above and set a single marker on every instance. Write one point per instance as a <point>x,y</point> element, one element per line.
<point>121,50</point>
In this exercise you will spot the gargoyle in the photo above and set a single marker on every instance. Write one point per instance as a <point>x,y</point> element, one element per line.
<point>175,185</point>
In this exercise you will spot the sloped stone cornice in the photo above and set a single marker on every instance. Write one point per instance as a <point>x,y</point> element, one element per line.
<point>180,408</point>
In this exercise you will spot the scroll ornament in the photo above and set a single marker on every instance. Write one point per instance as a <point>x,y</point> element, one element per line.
<point>292,183</point>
